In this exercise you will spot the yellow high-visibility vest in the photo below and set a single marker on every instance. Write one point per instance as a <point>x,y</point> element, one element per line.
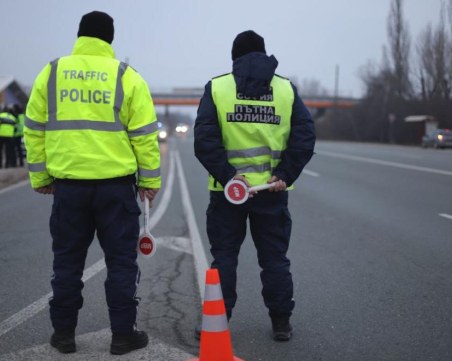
<point>7,124</point>
<point>91,116</point>
<point>255,131</point>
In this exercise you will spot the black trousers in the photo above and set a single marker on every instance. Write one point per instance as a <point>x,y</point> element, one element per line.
<point>270,225</point>
<point>19,152</point>
<point>78,212</point>
<point>7,149</point>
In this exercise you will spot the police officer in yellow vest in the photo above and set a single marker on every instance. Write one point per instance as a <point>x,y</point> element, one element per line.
<point>252,125</point>
<point>7,129</point>
<point>90,128</point>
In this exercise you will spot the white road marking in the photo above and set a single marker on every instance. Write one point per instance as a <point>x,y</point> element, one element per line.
<point>385,162</point>
<point>311,173</point>
<point>14,186</point>
<point>199,253</point>
<point>445,215</point>
<point>164,202</point>
<point>37,306</point>
<point>179,244</point>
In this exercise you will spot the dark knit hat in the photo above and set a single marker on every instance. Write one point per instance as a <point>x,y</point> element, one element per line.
<point>247,42</point>
<point>97,25</point>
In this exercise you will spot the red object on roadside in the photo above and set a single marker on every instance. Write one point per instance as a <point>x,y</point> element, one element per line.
<point>147,246</point>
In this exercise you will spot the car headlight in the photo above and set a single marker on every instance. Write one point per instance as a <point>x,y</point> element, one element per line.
<point>163,134</point>
<point>440,137</point>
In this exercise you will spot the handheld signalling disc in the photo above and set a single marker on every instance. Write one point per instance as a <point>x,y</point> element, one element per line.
<point>147,246</point>
<point>237,192</point>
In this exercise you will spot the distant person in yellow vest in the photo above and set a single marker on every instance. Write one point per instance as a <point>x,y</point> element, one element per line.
<point>252,126</point>
<point>7,129</point>
<point>19,133</point>
<point>90,128</point>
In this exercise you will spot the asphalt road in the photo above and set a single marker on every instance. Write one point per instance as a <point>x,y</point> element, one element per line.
<point>371,259</point>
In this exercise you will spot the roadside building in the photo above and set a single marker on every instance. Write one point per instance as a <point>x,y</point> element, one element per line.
<point>420,125</point>
<point>11,92</point>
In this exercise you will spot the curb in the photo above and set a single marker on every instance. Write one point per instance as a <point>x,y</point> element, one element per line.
<point>10,176</point>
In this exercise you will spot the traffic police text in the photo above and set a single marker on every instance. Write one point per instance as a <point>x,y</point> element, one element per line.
<point>97,96</point>
<point>263,98</point>
<point>254,114</point>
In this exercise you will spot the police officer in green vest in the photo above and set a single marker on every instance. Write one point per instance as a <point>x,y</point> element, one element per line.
<point>252,126</point>
<point>7,129</point>
<point>91,141</point>
<point>19,133</point>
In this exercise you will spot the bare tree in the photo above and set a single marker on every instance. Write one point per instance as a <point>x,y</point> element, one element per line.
<point>309,87</point>
<point>389,89</point>
<point>426,62</point>
<point>399,45</point>
<point>449,14</point>
<point>434,53</point>
<point>449,40</point>
<point>312,87</point>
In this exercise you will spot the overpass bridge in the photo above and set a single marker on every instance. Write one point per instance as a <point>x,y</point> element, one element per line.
<point>192,98</point>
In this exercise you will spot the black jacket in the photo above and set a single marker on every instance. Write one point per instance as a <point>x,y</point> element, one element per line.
<point>253,73</point>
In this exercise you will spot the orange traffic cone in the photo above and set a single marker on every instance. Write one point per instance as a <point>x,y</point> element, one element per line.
<point>215,342</point>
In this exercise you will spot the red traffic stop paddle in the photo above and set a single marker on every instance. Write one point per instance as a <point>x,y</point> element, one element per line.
<point>237,192</point>
<point>147,246</point>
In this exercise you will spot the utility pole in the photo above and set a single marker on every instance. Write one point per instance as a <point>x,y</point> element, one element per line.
<point>336,85</point>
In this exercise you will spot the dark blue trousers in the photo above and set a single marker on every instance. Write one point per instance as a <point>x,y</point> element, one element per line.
<point>80,210</point>
<point>270,225</point>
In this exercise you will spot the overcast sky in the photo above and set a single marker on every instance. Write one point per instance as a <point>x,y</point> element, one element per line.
<point>183,43</point>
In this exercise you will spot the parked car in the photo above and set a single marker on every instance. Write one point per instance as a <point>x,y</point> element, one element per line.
<point>439,138</point>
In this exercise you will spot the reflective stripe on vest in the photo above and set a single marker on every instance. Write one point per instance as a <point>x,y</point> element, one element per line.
<point>35,125</point>
<point>254,152</point>
<point>253,168</point>
<point>149,173</point>
<point>147,129</point>
<point>7,121</point>
<point>37,167</point>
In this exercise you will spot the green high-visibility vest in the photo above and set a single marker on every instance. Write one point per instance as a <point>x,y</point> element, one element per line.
<point>254,131</point>
<point>20,125</point>
<point>91,116</point>
<point>7,124</point>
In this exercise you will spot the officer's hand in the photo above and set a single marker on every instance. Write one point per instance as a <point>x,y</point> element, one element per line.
<point>279,186</point>
<point>149,193</point>
<point>244,180</point>
<point>49,189</point>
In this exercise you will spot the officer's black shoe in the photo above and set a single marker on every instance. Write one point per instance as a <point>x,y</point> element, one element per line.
<point>124,343</point>
<point>282,329</point>
<point>63,341</point>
